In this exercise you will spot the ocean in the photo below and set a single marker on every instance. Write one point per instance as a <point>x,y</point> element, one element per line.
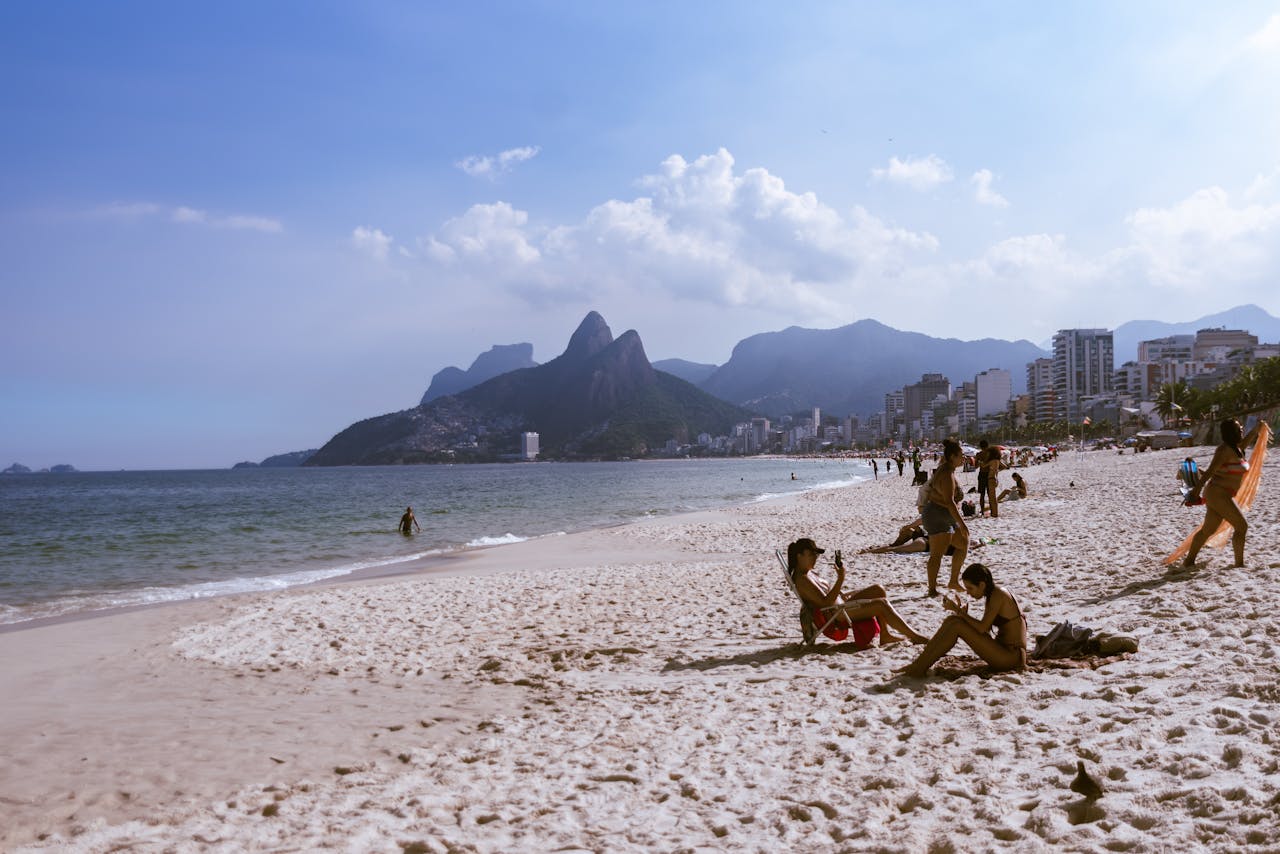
<point>89,541</point>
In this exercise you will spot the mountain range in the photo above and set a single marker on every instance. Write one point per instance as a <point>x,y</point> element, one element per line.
<point>600,398</point>
<point>1127,336</point>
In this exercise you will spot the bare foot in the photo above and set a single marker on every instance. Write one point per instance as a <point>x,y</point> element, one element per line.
<point>886,639</point>
<point>911,671</point>
<point>919,639</point>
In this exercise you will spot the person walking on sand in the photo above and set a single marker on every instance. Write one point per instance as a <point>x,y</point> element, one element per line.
<point>941,519</point>
<point>980,460</point>
<point>1218,486</point>
<point>1007,650</point>
<point>902,459</point>
<point>408,521</point>
<point>871,601</point>
<point>875,468</point>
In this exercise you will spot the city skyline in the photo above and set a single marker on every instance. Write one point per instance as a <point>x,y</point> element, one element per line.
<point>231,233</point>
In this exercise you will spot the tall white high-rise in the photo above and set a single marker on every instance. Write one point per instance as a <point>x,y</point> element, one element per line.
<point>529,445</point>
<point>1083,366</point>
<point>994,391</point>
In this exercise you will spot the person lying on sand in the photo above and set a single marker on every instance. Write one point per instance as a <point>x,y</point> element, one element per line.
<point>917,545</point>
<point>1007,650</point>
<point>871,601</point>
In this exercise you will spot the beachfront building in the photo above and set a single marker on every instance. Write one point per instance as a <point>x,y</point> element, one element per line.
<point>917,396</point>
<point>759,434</point>
<point>1217,345</point>
<point>1044,399</point>
<point>894,414</point>
<point>993,389</point>
<point>528,446</point>
<point>1083,366</point>
<point>1171,348</point>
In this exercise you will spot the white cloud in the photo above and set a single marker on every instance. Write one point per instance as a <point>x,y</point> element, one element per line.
<point>983,193</point>
<point>1267,39</point>
<point>372,241</point>
<point>184,215</point>
<point>920,173</point>
<point>1204,240</point>
<point>1263,186</point>
<point>485,166</point>
<point>491,236</point>
<point>702,232</point>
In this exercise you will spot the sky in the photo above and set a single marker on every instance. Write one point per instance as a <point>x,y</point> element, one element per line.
<point>231,230</point>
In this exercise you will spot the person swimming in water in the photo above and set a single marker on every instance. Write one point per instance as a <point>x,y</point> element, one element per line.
<point>408,521</point>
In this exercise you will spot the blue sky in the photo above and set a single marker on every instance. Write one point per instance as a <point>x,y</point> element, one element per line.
<point>231,230</point>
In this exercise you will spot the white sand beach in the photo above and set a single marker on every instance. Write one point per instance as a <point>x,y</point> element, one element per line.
<point>644,688</point>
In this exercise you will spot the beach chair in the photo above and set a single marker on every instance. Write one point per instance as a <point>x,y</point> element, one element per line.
<point>814,623</point>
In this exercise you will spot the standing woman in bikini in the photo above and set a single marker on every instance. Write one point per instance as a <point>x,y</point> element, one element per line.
<point>940,517</point>
<point>1219,485</point>
<point>1006,651</point>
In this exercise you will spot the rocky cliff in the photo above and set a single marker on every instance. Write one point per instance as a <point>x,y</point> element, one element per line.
<point>600,398</point>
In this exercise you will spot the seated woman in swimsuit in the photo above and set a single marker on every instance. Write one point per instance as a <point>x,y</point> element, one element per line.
<point>871,601</point>
<point>1013,493</point>
<point>1219,485</point>
<point>1006,651</point>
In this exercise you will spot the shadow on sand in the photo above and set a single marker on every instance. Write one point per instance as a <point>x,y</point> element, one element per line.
<point>764,656</point>
<point>1174,575</point>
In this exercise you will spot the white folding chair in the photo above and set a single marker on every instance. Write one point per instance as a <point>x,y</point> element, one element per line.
<point>809,626</point>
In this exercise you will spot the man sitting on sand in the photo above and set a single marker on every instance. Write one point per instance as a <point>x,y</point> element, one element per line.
<point>871,601</point>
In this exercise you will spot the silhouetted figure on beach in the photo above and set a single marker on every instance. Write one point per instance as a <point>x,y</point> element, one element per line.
<point>408,522</point>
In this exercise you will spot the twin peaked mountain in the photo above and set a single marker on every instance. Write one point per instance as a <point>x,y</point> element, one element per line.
<point>600,398</point>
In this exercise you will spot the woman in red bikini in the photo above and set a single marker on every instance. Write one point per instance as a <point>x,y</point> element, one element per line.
<point>1007,650</point>
<point>1218,486</point>
<point>871,601</point>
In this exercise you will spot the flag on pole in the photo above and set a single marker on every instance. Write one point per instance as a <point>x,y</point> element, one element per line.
<point>1087,421</point>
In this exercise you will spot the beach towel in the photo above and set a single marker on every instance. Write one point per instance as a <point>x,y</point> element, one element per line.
<point>1244,497</point>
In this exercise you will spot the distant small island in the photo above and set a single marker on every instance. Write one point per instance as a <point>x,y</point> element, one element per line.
<point>19,468</point>
<point>293,459</point>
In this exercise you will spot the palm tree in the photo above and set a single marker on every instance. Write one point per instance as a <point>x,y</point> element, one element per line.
<point>1171,399</point>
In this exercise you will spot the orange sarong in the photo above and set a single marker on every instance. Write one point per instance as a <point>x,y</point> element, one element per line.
<point>1244,497</point>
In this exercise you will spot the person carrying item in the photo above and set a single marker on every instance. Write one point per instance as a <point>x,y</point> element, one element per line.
<point>1223,479</point>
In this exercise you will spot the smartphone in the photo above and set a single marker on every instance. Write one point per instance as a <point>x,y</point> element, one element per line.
<point>839,559</point>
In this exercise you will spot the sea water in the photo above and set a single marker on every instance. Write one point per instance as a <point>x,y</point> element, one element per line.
<point>88,541</point>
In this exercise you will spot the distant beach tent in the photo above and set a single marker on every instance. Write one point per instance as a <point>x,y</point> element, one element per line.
<point>1244,497</point>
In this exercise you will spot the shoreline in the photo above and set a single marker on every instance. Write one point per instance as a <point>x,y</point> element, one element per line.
<point>386,566</point>
<point>643,687</point>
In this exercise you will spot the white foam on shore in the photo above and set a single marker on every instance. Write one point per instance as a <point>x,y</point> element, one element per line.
<point>76,603</point>
<point>504,540</point>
